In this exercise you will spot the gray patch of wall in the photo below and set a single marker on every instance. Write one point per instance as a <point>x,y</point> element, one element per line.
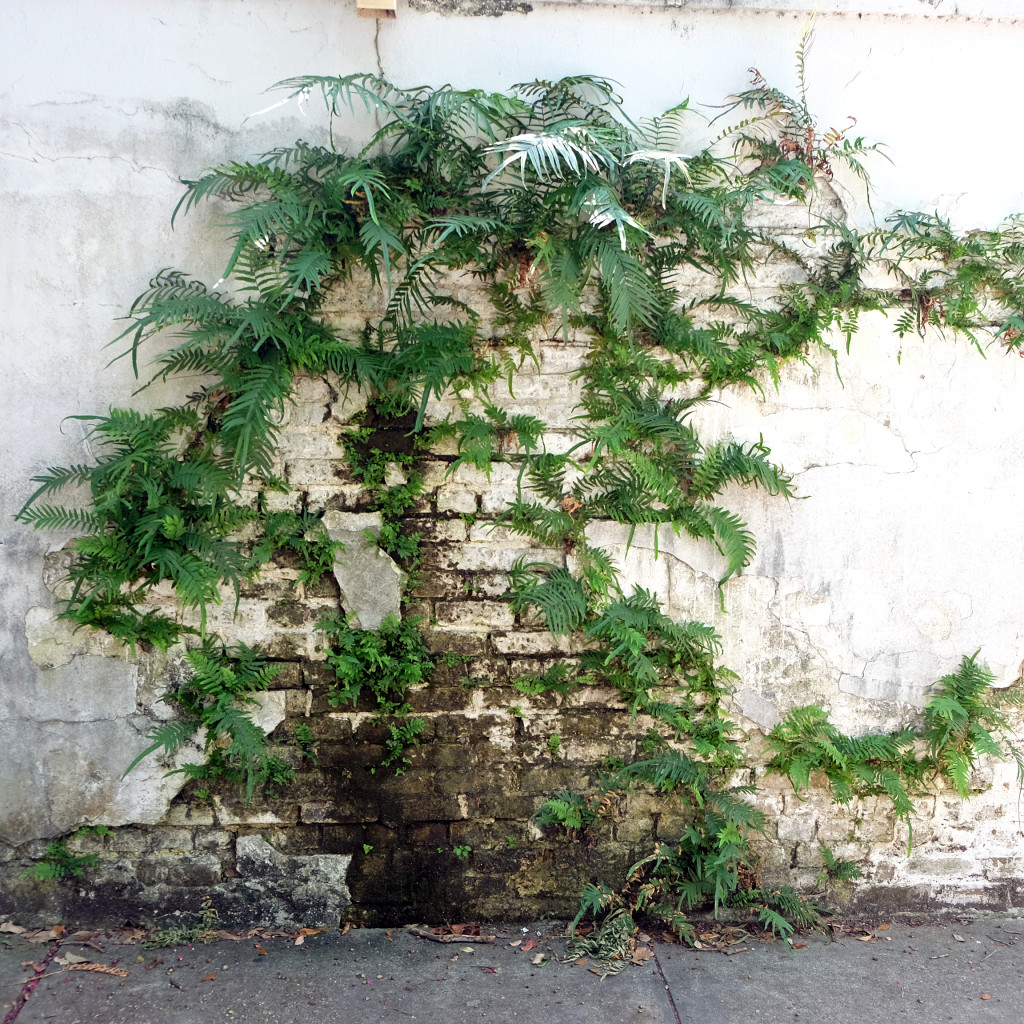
<point>846,605</point>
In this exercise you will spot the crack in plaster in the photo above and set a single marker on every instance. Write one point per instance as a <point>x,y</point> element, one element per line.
<point>39,157</point>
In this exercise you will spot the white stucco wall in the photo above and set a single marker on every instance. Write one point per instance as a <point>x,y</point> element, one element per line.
<point>904,556</point>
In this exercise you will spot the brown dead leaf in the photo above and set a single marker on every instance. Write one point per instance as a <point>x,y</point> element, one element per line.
<point>669,937</point>
<point>457,929</point>
<point>708,936</point>
<point>985,995</point>
<point>697,944</point>
<point>529,944</point>
<point>582,960</point>
<point>12,929</point>
<point>120,972</point>
<point>211,977</point>
<point>959,938</point>
<point>516,942</point>
<point>865,938</point>
<point>260,950</point>
<point>538,959</point>
<point>883,927</point>
<point>571,505</point>
<point>348,928</point>
<point>799,945</point>
<point>155,963</point>
<point>641,954</point>
<point>303,932</point>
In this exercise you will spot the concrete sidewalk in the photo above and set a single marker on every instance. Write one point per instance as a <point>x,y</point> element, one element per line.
<point>920,974</point>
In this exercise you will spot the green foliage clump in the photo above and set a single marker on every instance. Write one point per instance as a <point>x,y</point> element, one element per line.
<point>186,935</point>
<point>306,743</point>
<point>159,510</point>
<point>963,719</point>
<point>223,681</point>
<point>837,870</point>
<point>385,662</point>
<point>59,862</point>
<point>302,533</point>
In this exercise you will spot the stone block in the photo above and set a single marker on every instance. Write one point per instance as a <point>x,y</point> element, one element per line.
<point>797,827</point>
<point>189,814</point>
<point>526,643</point>
<point>438,531</point>
<point>176,840</point>
<point>451,498</point>
<point>369,580</point>
<point>474,615</point>
<point>468,644</point>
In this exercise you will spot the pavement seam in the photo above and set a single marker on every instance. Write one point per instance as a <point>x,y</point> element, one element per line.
<point>668,988</point>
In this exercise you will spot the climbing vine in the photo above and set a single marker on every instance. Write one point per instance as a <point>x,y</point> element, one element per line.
<point>578,219</point>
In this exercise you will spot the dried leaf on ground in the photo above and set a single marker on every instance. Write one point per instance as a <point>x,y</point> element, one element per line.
<point>120,972</point>
<point>529,944</point>
<point>959,938</point>
<point>303,932</point>
<point>13,929</point>
<point>538,958</point>
<point>211,977</point>
<point>641,954</point>
<point>443,935</point>
<point>985,995</point>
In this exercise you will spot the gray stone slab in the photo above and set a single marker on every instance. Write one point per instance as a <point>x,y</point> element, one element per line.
<point>919,975</point>
<point>363,977</point>
<point>901,973</point>
<point>370,581</point>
